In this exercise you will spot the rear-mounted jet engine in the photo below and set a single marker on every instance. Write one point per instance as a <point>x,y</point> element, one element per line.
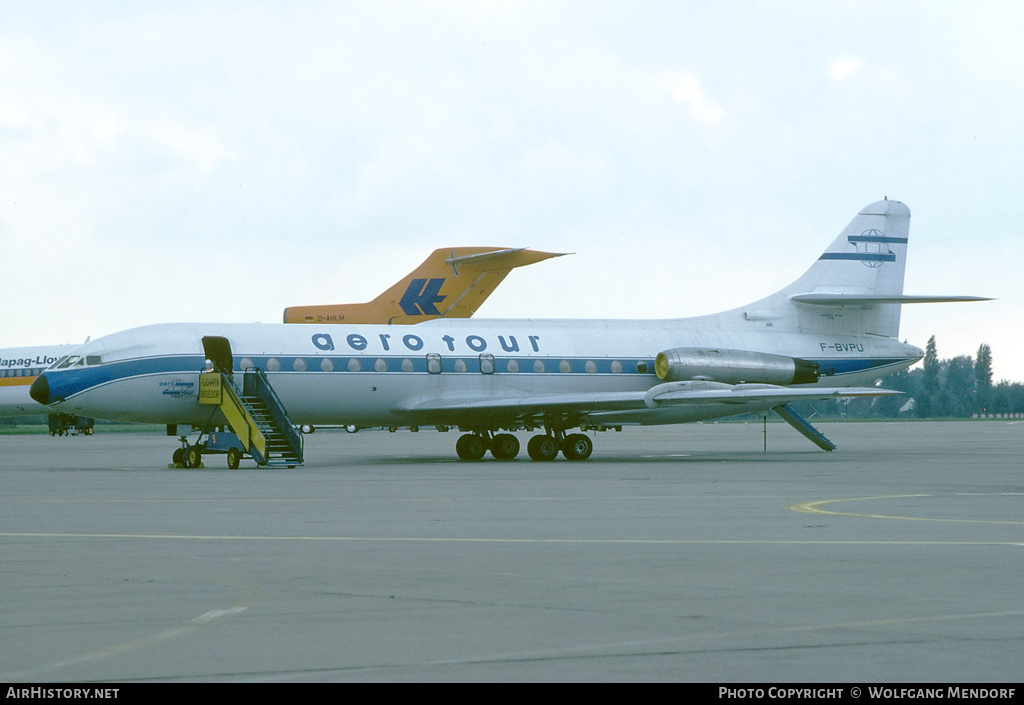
<point>733,367</point>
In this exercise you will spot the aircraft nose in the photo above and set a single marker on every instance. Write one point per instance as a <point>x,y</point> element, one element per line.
<point>40,390</point>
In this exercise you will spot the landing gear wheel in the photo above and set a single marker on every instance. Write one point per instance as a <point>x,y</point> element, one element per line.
<point>577,447</point>
<point>471,447</point>
<point>542,448</point>
<point>505,446</point>
<point>234,456</point>
<point>194,457</point>
<point>178,457</point>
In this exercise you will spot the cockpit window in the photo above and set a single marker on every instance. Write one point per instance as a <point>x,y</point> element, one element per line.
<point>68,362</point>
<point>93,360</point>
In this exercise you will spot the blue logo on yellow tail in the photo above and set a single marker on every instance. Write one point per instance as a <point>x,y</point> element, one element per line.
<point>421,296</point>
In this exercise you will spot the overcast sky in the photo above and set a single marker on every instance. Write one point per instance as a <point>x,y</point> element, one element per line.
<point>219,161</point>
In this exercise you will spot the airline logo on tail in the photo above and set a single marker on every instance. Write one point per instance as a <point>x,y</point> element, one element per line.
<point>420,297</point>
<point>871,248</point>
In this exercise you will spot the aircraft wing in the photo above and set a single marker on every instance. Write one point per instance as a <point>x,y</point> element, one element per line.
<point>670,393</point>
<point>530,403</point>
<point>700,392</point>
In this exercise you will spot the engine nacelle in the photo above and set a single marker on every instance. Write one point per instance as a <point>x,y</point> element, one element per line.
<point>733,366</point>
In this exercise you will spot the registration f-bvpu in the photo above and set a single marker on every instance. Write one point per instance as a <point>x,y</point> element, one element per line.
<point>831,333</point>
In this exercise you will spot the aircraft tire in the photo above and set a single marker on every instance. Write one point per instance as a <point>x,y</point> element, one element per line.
<point>542,448</point>
<point>505,446</point>
<point>194,457</point>
<point>577,447</point>
<point>178,457</point>
<point>470,447</point>
<point>234,457</point>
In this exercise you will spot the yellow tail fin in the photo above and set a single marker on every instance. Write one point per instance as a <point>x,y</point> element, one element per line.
<point>451,283</point>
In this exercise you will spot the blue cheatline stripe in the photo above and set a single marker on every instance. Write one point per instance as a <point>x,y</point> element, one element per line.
<point>72,380</point>
<point>68,382</point>
<point>877,238</point>
<point>454,364</point>
<point>835,366</point>
<point>859,256</point>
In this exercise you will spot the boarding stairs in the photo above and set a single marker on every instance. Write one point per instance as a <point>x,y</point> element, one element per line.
<point>255,415</point>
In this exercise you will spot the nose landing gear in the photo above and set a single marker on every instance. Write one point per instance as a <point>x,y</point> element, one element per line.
<point>188,456</point>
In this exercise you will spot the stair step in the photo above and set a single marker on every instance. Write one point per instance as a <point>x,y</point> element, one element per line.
<point>279,450</point>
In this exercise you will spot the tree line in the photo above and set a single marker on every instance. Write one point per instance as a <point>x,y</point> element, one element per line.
<point>955,387</point>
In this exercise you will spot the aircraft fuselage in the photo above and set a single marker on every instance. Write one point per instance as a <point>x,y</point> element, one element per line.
<point>370,375</point>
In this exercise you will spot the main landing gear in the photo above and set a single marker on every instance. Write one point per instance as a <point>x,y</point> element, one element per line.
<point>505,446</point>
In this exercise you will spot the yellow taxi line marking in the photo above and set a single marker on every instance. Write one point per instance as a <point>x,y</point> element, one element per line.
<point>816,507</point>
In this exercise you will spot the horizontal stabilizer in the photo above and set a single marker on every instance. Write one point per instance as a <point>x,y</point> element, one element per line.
<point>801,424</point>
<point>507,255</point>
<point>825,299</point>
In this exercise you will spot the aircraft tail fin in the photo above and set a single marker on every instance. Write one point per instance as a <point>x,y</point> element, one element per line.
<point>856,285</point>
<point>451,283</point>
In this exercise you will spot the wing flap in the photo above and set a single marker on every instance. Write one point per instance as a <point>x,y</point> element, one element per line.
<point>696,392</point>
<point>602,401</point>
<point>670,393</point>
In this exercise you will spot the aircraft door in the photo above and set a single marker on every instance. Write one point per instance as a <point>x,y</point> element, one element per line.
<point>433,363</point>
<point>218,351</point>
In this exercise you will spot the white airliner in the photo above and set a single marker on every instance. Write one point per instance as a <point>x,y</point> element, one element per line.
<point>19,368</point>
<point>831,333</point>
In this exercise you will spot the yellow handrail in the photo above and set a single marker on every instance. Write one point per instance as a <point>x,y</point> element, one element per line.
<point>213,390</point>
